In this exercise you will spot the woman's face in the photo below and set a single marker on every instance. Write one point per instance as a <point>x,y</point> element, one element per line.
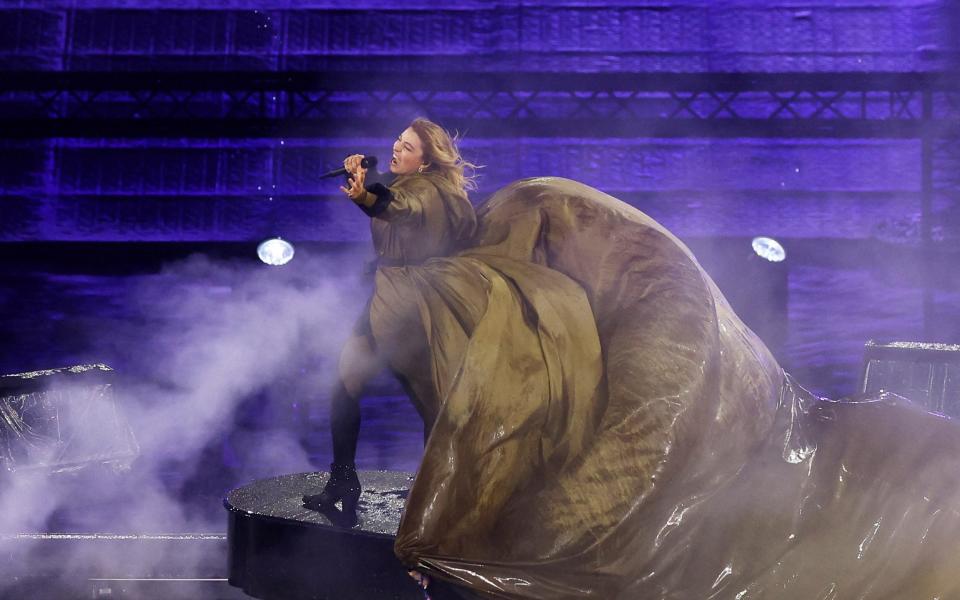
<point>407,153</point>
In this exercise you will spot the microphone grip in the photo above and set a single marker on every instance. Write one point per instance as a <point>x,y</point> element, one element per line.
<point>367,162</point>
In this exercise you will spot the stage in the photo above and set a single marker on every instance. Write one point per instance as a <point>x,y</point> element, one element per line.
<point>280,550</point>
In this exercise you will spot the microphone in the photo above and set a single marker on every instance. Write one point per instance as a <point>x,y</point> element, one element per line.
<point>368,162</point>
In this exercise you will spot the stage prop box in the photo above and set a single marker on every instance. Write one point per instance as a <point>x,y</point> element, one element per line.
<point>928,374</point>
<point>61,420</point>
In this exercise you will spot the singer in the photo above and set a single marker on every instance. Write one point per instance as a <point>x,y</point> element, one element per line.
<point>602,425</point>
<point>423,214</point>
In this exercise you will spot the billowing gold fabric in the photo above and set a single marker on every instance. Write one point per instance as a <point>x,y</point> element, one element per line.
<point>604,426</point>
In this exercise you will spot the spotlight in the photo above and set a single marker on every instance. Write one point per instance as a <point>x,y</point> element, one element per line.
<point>275,251</point>
<point>769,249</point>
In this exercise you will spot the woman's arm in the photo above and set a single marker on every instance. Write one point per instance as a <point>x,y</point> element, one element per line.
<point>403,200</point>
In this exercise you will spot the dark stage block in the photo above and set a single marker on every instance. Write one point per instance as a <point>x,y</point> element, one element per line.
<point>280,550</point>
<point>65,419</point>
<point>928,374</point>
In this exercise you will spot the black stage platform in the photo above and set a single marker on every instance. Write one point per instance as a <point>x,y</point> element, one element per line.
<point>279,550</point>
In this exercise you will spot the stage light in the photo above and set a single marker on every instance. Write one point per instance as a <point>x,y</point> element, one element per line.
<point>275,251</point>
<point>769,249</point>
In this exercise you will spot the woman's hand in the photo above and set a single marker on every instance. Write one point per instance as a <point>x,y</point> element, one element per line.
<point>358,175</point>
<point>422,580</point>
<point>352,163</point>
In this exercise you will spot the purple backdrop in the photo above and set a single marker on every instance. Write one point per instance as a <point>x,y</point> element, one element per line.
<point>848,210</point>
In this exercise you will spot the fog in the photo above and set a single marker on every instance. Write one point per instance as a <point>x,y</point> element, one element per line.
<point>222,369</point>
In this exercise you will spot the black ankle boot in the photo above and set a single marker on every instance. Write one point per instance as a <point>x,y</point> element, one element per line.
<point>343,486</point>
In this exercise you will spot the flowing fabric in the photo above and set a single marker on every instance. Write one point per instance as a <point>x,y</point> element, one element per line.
<point>604,426</point>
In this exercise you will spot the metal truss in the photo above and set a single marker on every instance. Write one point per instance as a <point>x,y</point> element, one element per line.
<point>921,106</point>
<point>235,104</point>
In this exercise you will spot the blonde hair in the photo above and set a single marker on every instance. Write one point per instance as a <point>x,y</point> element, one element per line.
<point>441,155</point>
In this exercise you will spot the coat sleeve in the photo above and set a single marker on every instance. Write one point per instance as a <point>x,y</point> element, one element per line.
<point>405,200</point>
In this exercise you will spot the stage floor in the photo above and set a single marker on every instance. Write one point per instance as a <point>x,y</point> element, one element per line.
<point>280,550</point>
<point>68,566</point>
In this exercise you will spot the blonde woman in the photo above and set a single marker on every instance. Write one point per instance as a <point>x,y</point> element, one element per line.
<point>423,214</point>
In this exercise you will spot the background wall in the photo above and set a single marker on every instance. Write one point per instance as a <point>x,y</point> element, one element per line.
<point>848,210</point>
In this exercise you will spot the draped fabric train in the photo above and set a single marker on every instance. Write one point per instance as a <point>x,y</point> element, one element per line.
<point>605,426</point>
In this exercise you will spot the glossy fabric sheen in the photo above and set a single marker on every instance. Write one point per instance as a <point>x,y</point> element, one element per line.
<point>604,426</point>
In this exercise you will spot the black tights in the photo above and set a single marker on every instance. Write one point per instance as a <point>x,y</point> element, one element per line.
<point>344,424</point>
